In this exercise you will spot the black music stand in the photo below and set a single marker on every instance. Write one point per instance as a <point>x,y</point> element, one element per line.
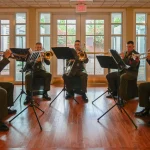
<point>20,54</point>
<point>121,65</point>
<point>29,67</point>
<point>109,63</point>
<point>64,53</point>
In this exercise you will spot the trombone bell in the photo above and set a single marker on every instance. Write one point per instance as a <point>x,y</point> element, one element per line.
<point>48,55</point>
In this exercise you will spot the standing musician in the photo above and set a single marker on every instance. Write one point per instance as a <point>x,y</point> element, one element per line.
<point>144,97</point>
<point>77,70</point>
<point>125,75</point>
<point>38,71</point>
<point>6,93</point>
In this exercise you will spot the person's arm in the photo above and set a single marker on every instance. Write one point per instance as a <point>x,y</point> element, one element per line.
<point>5,60</point>
<point>47,61</point>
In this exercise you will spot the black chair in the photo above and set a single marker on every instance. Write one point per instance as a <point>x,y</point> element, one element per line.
<point>38,86</point>
<point>132,90</point>
<point>76,82</point>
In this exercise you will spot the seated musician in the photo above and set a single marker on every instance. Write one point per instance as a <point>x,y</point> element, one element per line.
<point>77,70</point>
<point>126,74</point>
<point>6,93</point>
<point>144,97</point>
<point>38,71</point>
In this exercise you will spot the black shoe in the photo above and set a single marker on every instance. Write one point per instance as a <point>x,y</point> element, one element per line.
<point>3,127</point>
<point>142,113</point>
<point>11,111</point>
<point>27,100</point>
<point>45,96</point>
<point>69,95</point>
<point>85,98</point>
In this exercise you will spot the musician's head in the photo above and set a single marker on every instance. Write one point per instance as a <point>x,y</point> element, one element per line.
<point>77,45</point>
<point>130,46</point>
<point>38,46</point>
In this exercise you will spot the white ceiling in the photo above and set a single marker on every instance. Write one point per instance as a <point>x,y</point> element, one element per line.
<point>70,4</point>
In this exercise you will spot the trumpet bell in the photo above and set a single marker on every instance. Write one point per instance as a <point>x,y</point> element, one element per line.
<point>48,55</point>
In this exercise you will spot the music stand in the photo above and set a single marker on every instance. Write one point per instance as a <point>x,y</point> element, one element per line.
<point>121,65</point>
<point>20,54</point>
<point>64,53</point>
<point>29,67</point>
<point>109,63</point>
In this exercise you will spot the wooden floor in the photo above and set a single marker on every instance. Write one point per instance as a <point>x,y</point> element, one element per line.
<point>69,126</point>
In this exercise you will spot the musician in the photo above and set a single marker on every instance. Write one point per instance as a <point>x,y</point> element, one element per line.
<point>144,97</point>
<point>126,74</point>
<point>77,70</point>
<point>6,93</point>
<point>38,71</point>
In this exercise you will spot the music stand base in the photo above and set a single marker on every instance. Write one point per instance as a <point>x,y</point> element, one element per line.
<point>117,104</point>
<point>33,106</point>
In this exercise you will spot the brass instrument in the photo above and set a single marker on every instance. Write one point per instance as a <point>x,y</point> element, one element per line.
<point>48,55</point>
<point>82,55</point>
<point>140,56</point>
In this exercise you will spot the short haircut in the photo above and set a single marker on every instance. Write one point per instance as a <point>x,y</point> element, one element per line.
<point>77,41</point>
<point>130,42</point>
<point>38,43</point>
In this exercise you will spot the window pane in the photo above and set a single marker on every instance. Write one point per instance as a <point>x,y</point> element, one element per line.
<point>90,43</point>
<point>21,18</point>
<point>71,29</point>
<point>116,43</point>
<point>98,69</point>
<point>116,18</point>
<point>71,21</point>
<point>99,43</point>
<point>61,29</point>
<point>89,21</point>
<point>21,29</point>
<point>99,29</point>
<point>5,21</point>
<point>45,40</point>
<point>140,18</point>
<point>140,29</point>
<point>141,48</point>
<point>5,42</point>
<point>116,29</point>
<point>20,42</point>
<point>18,74</point>
<point>70,41</point>
<point>60,65</point>
<point>5,30</point>
<point>90,65</point>
<point>44,29</point>
<point>61,41</point>
<point>45,18</point>
<point>61,21</point>
<point>89,29</point>
<point>99,21</point>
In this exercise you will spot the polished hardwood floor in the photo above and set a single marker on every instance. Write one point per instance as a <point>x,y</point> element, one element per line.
<point>69,126</point>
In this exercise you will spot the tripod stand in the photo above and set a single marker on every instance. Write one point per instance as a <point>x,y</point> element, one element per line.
<point>109,63</point>
<point>63,53</point>
<point>30,65</point>
<point>121,65</point>
<point>22,87</point>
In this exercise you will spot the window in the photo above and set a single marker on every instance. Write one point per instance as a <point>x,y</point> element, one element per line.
<point>141,38</point>
<point>45,32</point>
<point>20,40</point>
<point>116,31</point>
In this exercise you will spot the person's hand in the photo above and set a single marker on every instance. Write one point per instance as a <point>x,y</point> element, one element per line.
<point>7,53</point>
<point>122,55</point>
<point>39,59</point>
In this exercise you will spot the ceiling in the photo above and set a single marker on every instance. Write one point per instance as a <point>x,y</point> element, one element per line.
<point>73,3</point>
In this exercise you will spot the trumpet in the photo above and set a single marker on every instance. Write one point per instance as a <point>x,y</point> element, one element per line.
<point>48,55</point>
<point>82,55</point>
<point>140,56</point>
